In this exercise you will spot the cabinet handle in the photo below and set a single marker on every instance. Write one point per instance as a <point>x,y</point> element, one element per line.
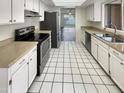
<point>122,63</point>
<point>10,20</point>
<point>22,61</point>
<point>31,59</point>
<point>14,20</point>
<point>10,82</point>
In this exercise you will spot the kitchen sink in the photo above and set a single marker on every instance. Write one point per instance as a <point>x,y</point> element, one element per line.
<point>110,38</point>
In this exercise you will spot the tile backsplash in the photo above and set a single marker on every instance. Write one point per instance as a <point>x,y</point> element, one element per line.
<point>7,31</point>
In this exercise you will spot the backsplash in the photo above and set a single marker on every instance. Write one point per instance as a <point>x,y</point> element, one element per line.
<point>95,24</point>
<point>7,31</point>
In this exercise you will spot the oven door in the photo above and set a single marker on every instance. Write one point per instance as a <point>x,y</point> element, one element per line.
<point>44,53</point>
<point>45,47</point>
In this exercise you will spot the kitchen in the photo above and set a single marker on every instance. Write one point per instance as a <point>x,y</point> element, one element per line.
<point>33,59</point>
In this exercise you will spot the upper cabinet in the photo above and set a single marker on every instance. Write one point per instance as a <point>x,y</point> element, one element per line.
<point>18,11</point>
<point>36,5</point>
<point>32,5</point>
<point>12,11</point>
<point>42,9</point>
<point>93,11</point>
<point>29,4</point>
<point>5,9</point>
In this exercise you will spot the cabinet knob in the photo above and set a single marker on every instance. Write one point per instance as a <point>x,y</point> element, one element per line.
<point>31,59</point>
<point>14,20</point>
<point>122,63</point>
<point>10,20</point>
<point>10,82</point>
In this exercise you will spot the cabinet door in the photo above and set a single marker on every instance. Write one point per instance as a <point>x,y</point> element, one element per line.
<point>42,9</point>
<point>29,4</point>
<point>117,70</point>
<point>18,11</point>
<point>103,58</point>
<point>32,67</point>
<point>94,48</point>
<point>20,80</point>
<point>36,6</point>
<point>5,11</point>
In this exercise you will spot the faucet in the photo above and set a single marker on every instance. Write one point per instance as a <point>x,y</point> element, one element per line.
<point>113,26</point>
<point>115,29</point>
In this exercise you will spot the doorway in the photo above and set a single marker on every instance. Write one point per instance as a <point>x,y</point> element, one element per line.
<point>68,24</point>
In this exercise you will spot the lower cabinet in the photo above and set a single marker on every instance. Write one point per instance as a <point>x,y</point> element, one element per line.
<point>117,70</point>
<point>20,80</point>
<point>18,77</point>
<point>103,58</point>
<point>32,67</point>
<point>100,53</point>
<point>94,47</point>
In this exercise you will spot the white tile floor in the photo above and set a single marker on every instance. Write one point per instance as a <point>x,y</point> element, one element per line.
<point>71,69</point>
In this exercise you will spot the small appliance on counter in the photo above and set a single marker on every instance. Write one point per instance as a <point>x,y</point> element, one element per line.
<point>27,34</point>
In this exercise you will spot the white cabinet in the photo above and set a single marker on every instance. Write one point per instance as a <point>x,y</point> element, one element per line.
<point>5,11</point>
<point>117,70</point>
<point>42,10</point>
<point>16,78</point>
<point>94,47</point>
<point>36,6</point>
<point>32,5</point>
<point>100,51</point>
<point>12,11</point>
<point>20,80</point>
<point>103,58</point>
<point>18,11</point>
<point>32,67</point>
<point>29,4</point>
<point>94,11</point>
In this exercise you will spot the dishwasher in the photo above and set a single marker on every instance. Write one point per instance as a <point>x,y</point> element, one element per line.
<point>88,41</point>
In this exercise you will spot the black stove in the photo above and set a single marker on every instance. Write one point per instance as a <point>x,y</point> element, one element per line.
<point>27,34</point>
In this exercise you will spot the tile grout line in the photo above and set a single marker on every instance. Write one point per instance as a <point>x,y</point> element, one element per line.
<point>81,76</point>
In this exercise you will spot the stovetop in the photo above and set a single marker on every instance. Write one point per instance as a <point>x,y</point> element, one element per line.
<point>33,37</point>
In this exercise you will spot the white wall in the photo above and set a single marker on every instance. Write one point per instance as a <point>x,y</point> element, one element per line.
<point>80,21</point>
<point>7,31</point>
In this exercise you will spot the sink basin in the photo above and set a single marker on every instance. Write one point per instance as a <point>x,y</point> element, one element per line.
<point>113,39</point>
<point>110,38</point>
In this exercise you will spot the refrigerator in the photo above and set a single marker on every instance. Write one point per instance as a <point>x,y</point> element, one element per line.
<point>51,22</point>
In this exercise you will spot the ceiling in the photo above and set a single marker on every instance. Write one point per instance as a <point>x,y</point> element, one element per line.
<point>48,2</point>
<point>64,3</point>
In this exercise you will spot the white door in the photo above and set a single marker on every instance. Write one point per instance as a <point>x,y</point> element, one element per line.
<point>94,48</point>
<point>5,11</point>
<point>29,4</point>
<point>20,80</point>
<point>103,58</point>
<point>117,70</point>
<point>18,11</point>
<point>36,6</point>
<point>32,67</point>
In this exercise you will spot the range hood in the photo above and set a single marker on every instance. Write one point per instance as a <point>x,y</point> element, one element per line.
<point>31,14</point>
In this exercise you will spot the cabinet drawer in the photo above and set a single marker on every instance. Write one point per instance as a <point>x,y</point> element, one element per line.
<point>99,42</point>
<point>18,64</point>
<point>116,53</point>
<point>103,44</point>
